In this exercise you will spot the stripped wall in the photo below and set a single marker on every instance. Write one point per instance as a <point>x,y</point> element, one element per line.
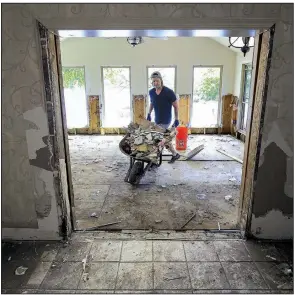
<point>28,187</point>
<point>181,52</point>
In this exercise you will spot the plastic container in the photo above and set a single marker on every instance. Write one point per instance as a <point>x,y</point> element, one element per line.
<point>181,138</point>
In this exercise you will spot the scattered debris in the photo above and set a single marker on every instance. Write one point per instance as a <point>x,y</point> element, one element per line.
<point>9,258</point>
<point>268,256</point>
<point>232,179</point>
<point>163,186</point>
<point>98,226</point>
<point>230,156</point>
<point>85,265</point>
<point>20,271</point>
<point>194,152</point>
<point>201,196</point>
<point>94,215</point>
<point>177,278</point>
<point>159,221</point>
<point>189,220</point>
<point>218,225</point>
<point>159,190</point>
<point>228,197</point>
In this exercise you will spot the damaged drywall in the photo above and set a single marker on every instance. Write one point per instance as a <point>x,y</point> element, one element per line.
<point>269,193</point>
<point>274,225</point>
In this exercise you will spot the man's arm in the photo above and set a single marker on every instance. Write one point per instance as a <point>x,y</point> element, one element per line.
<point>176,107</point>
<point>151,108</point>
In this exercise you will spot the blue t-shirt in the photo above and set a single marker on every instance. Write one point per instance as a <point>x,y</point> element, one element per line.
<point>162,104</point>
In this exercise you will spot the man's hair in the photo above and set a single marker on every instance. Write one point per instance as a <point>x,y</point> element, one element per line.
<point>157,75</point>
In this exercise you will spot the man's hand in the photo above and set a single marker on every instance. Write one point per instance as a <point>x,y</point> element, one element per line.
<point>149,118</point>
<point>176,123</point>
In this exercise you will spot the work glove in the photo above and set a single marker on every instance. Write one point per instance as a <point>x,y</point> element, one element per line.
<point>149,118</point>
<point>176,123</point>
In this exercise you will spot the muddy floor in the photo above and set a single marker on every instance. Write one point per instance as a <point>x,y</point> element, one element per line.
<point>207,187</point>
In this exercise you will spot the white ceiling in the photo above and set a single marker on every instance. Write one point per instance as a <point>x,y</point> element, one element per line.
<point>224,41</point>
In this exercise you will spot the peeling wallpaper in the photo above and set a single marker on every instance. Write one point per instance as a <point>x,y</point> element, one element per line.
<point>28,196</point>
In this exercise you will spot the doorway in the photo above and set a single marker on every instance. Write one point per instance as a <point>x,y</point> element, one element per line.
<point>133,193</point>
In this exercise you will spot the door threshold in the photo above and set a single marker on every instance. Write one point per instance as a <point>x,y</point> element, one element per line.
<point>183,235</point>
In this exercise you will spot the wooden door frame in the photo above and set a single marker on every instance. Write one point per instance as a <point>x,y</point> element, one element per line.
<point>246,196</point>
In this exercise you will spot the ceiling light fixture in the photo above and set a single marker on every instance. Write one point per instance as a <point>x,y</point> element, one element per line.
<point>134,40</point>
<point>245,43</point>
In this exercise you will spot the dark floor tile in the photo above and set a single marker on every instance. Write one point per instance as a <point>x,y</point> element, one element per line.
<point>64,276</point>
<point>262,251</point>
<point>277,275</point>
<point>28,251</point>
<point>207,275</point>
<point>243,275</point>
<point>286,249</point>
<point>231,251</point>
<point>74,252</point>
<point>19,291</point>
<point>11,281</point>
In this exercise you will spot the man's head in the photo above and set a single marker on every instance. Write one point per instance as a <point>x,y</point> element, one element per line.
<point>157,80</point>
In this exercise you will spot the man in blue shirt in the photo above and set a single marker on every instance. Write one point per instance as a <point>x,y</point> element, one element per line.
<point>162,99</point>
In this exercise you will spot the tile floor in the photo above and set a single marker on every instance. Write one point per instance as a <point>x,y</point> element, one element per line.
<point>148,266</point>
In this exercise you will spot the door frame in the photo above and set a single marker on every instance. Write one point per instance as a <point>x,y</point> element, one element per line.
<point>246,198</point>
<point>220,96</point>
<point>103,101</point>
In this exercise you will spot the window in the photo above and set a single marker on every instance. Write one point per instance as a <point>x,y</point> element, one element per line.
<point>168,75</point>
<point>117,97</point>
<point>206,96</point>
<point>75,97</point>
<point>247,75</point>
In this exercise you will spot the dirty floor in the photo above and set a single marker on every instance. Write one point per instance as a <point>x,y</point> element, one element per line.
<point>207,187</point>
<point>96,264</point>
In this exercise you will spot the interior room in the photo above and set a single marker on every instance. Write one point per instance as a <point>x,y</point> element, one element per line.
<point>208,79</point>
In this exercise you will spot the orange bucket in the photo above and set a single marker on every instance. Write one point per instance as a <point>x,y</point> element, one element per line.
<point>181,138</point>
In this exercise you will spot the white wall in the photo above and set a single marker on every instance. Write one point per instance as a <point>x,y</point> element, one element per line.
<point>182,52</point>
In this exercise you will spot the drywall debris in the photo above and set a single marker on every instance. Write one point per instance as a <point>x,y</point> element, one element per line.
<point>228,197</point>
<point>163,186</point>
<point>94,215</point>
<point>201,196</point>
<point>9,258</point>
<point>159,221</point>
<point>20,271</point>
<point>232,179</point>
<point>159,190</point>
<point>268,256</point>
<point>142,141</point>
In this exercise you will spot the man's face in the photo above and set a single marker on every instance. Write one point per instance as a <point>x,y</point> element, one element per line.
<point>156,82</point>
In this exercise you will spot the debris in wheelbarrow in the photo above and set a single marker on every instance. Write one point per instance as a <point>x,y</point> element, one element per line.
<point>144,140</point>
<point>144,143</point>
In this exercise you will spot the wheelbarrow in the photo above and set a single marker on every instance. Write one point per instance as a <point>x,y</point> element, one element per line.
<point>138,166</point>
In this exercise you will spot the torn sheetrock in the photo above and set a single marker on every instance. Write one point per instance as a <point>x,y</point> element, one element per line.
<point>275,135</point>
<point>273,225</point>
<point>37,117</point>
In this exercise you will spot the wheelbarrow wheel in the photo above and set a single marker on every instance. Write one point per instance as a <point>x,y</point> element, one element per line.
<point>136,173</point>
